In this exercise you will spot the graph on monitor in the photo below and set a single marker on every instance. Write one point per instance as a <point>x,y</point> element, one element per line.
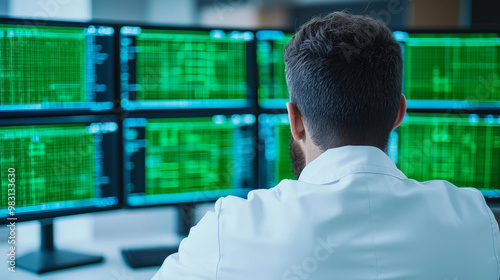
<point>451,70</point>
<point>274,136</point>
<point>184,68</point>
<point>56,67</point>
<point>58,166</point>
<point>272,89</point>
<point>175,160</point>
<point>464,150</point>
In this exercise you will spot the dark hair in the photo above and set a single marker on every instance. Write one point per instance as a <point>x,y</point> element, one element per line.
<point>344,74</point>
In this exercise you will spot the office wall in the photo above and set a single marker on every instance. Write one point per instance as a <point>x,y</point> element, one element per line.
<point>119,10</point>
<point>431,13</point>
<point>243,15</point>
<point>42,10</point>
<point>4,8</point>
<point>171,12</point>
<point>393,12</point>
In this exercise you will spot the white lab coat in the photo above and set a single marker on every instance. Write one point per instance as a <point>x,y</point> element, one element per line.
<point>351,215</point>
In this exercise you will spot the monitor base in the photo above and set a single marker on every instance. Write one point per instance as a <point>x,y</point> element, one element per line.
<point>147,257</point>
<point>47,261</point>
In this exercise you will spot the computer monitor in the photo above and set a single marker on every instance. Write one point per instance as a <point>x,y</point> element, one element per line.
<point>274,158</point>
<point>55,67</point>
<point>184,160</point>
<point>462,149</point>
<point>172,68</point>
<point>62,165</point>
<point>272,87</point>
<point>57,167</point>
<point>188,159</point>
<point>451,70</point>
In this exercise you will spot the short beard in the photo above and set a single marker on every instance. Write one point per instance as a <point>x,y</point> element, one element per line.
<point>298,158</point>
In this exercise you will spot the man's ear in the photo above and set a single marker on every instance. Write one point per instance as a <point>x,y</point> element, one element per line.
<point>401,112</point>
<point>296,122</point>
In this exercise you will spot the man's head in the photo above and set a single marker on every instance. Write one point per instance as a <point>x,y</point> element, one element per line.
<point>344,75</point>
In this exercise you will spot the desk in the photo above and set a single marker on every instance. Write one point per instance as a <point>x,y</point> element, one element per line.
<point>113,267</point>
<point>100,234</point>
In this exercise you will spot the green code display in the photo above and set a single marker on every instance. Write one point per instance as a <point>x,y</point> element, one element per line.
<point>452,67</point>
<point>188,155</point>
<point>53,163</point>
<point>462,150</point>
<point>190,65</point>
<point>283,164</point>
<point>275,164</point>
<point>271,67</point>
<point>41,65</point>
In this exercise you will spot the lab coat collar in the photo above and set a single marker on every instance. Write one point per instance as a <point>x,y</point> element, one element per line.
<point>336,163</point>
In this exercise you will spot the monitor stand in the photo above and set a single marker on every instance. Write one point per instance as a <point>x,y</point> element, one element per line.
<point>146,257</point>
<point>49,258</point>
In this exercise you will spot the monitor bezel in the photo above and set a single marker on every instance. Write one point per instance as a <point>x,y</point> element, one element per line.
<point>481,105</point>
<point>67,111</point>
<point>115,176</point>
<point>481,115</point>
<point>482,108</point>
<point>494,203</point>
<point>182,114</point>
<point>251,64</point>
<point>260,108</point>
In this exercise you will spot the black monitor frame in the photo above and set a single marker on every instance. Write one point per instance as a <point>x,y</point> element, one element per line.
<point>191,114</point>
<point>481,108</point>
<point>481,115</point>
<point>251,64</point>
<point>481,111</point>
<point>114,52</point>
<point>115,175</point>
<point>260,108</point>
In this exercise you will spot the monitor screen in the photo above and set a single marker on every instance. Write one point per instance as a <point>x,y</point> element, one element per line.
<point>274,136</point>
<point>272,88</point>
<point>59,168</point>
<point>175,160</point>
<point>184,68</point>
<point>461,149</point>
<point>56,67</point>
<point>443,70</point>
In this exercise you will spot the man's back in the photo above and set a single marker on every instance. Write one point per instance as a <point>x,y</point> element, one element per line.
<point>351,215</point>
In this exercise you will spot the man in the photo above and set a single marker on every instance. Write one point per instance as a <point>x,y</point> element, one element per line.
<point>351,214</point>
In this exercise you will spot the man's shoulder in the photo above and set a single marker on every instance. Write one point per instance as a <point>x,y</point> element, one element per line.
<point>255,197</point>
<point>263,204</point>
<point>451,189</point>
<point>268,213</point>
<point>446,193</point>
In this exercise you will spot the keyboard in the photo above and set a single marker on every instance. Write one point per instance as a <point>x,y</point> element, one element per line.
<point>147,257</point>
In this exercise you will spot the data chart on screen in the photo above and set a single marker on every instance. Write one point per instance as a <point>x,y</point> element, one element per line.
<point>464,150</point>
<point>272,89</point>
<point>56,68</point>
<point>274,161</point>
<point>451,70</point>
<point>188,159</point>
<point>59,166</point>
<point>184,68</point>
